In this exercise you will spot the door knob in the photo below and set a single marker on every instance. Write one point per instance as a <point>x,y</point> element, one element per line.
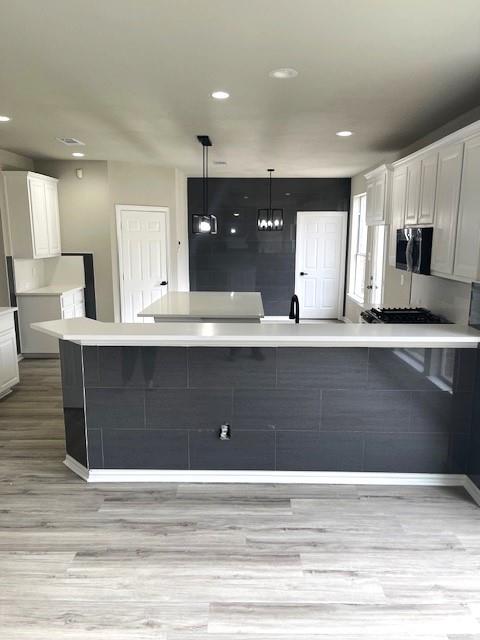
<point>163,283</point>
<point>303,273</point>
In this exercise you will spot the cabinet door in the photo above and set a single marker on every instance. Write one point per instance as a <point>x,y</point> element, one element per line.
<point>413,192</point>
<point>375,213</point>
<point>38,213</point>
<point>467,248</point>
<point>428,183</point>
<point>446,207</point>
<point>399,195</point>
<point>8,360</point>
<point>53,220</point>
<point>370,209</point>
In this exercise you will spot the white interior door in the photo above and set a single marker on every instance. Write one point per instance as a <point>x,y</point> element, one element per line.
<point>143,259</point>
<point>320,263</point>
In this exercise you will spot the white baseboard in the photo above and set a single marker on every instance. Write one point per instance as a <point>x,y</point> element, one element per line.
<point>77,468</point>
<point>472,489</point>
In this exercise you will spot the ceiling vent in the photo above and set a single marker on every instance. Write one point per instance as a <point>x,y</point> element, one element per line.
<point>71,142</point>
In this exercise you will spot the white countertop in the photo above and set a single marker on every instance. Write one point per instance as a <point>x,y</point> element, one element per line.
<point>92,332</point>
<point>51,290</point>
<point>5,310</point>
<point>206,304</point>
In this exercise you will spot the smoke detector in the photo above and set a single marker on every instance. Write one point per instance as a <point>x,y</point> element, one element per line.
<point>71,142</point>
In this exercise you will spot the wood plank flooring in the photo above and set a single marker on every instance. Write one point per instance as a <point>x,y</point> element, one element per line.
<point>200,562</point>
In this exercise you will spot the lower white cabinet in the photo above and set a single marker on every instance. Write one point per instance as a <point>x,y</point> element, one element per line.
<point>34,307</point>
<point>8,353</point>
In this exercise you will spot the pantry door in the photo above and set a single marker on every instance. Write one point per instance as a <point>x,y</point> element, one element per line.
<point>320,263</point>
<point>143,258</point>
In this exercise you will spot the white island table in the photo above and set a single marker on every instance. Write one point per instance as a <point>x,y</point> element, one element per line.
<point>206,306</point>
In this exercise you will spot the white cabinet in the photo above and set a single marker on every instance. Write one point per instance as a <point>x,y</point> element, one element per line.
<point>8,352</point>
<point>467,246</point>
<point>38,307</point>
<point>446,208</point>
<point>413,192</point>
<point>397,214</point>
<point>378,185</point>
<point>32,209</point>
<point>428,185</point>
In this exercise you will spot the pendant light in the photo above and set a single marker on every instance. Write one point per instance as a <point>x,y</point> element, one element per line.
<point>204,222</point>
<point>270,219</point>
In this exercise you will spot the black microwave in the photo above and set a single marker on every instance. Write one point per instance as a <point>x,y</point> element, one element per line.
<point>414,249</point>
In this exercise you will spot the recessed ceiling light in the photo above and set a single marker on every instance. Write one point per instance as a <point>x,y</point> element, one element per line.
<point>344,134</point>
<point>284,73</point>
<point>236,214</point>
<point>233,230</point>
<point>5,118</point>
<point>219,162</point>
<point>71,142</point>
<point>220,95</point>
<point>78,154</point>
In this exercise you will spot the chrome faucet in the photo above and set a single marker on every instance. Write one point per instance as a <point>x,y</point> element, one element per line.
<point>294,309</point>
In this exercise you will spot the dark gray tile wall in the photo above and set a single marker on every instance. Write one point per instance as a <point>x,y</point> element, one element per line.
<point>73,405</point>
<point>474,442</point>
<point>252,260</point>
<point>330,409</point>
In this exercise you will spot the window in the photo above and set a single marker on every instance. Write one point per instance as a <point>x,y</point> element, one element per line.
<point>358,248</point>
<point>377,264</point>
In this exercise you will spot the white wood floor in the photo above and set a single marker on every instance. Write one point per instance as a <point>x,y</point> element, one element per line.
<point>197,562</point>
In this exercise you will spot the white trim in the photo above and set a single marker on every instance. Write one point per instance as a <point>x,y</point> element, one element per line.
<point>119,208</point>
<point>77,468</point>
<point>343,255</point>
<point>276,477</point>
<point>472,489</point>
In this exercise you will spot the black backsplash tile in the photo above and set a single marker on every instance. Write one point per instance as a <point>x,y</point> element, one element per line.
<point>394,369</point>
<point>140,367</point>
<point>276,408</point>
<point>115,408</point>
<point>329,368</point>
<point>362,410</point>
<point>187,408</point>
<point>407,453</point>
<point>324,451</point>
<point>252,260</point>
<point>95,449</point>
<point>246,450</point>
<point>231,367</point>
<point>139,449</point>
<point>75,440</point>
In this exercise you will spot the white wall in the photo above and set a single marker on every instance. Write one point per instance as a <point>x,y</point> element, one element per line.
<point>149,185</point>
<point>85,220</point>
<point>87,217</point>
<point>8,161</point>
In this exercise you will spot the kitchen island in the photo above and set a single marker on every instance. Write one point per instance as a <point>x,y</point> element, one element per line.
<point>206,306</point>
<point>295,403</point>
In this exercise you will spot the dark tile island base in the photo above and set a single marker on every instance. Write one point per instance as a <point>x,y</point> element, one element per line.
<point>289,408</point>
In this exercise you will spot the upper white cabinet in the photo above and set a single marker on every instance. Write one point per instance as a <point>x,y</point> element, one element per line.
<point>378,190</point>
<point>467,245</point>
<point>413,192</point>
<point>449,176</point>
<point>398,202</point>
<point>33,220</point>
<point>428,185</point>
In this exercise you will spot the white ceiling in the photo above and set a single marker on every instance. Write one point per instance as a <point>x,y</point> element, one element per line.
<point>132,79</point>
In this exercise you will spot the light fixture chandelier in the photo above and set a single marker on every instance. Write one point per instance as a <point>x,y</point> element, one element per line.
<point>270,219</point>
<point>204,222</point>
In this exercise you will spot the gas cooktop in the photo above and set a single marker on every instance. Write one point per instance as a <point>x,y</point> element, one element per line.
<point>419,315</point>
